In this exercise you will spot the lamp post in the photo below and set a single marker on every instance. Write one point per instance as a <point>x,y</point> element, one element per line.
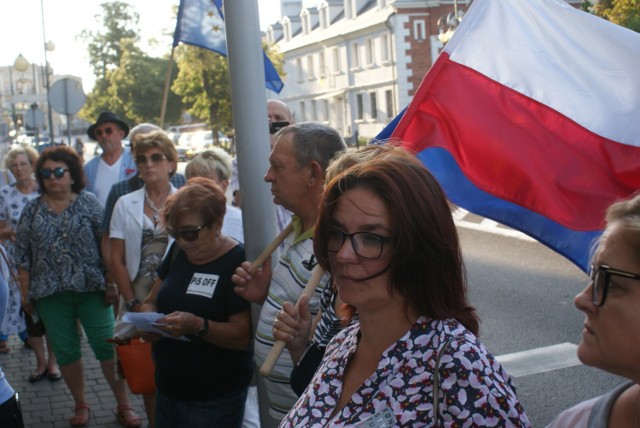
<point>448,23</point>
<point>20,65</point>
<point>48,46</point>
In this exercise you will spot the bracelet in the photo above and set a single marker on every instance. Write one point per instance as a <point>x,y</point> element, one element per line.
<point>112,285</point>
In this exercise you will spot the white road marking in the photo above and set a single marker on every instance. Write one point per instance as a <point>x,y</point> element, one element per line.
<point>540,360</point>
<point>487,225</point>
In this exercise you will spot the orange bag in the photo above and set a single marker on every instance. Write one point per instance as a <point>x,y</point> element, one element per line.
<point>137,365</point>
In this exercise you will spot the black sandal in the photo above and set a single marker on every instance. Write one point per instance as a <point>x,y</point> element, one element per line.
<point>37,377</point>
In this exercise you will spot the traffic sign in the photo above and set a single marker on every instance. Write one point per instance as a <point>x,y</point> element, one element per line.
<point>66,96</point>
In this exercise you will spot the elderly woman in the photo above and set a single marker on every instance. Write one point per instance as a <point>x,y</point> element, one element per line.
<point>61,274</point>
<point>611,335</point>
<point>201,382</point>
<point>21,161</point>
<point>138,239</point>
<point>215,164</point>
<point>386,236</point>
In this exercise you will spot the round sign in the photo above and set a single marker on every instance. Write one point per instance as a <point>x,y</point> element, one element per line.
<point>66,96</point>
<point>34,118</point>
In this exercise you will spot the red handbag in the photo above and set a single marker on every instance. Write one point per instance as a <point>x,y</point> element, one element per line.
<point>137,366</point>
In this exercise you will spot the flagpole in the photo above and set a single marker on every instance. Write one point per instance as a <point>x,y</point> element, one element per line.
<point>249,101</point>
<point>165,93</point>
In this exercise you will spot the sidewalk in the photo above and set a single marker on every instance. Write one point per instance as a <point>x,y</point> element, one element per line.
<point>49,404</point>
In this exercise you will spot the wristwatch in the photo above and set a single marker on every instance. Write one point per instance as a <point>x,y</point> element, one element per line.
<point>131,303</point>
<point>205,328</point>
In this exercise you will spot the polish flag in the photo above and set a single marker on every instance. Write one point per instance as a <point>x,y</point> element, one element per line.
<point>530,116</point>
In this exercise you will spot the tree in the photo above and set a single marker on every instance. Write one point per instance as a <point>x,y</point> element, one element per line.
<point>622,12</point>
<point>203,85</point>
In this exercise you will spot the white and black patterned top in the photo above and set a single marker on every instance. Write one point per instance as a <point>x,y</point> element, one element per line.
<point>61,250</point>
<point>476,390</point>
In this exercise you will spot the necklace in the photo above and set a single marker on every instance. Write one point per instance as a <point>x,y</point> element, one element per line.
<point>154,208</point>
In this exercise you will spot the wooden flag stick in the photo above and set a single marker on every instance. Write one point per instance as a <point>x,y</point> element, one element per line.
<point>272,247</point>
<point>279,346</point>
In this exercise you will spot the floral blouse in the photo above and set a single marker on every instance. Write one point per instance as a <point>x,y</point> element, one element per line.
<point>12,202</point>
<point>61,251</point>
<point>475,389</point>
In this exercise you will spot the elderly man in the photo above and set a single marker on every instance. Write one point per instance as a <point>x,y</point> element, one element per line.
<point>298,162</point>
<point>115,163</point>
<point>280,115</point>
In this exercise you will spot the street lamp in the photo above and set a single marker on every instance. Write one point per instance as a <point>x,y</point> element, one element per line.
<point>448,23</point>
<point>21,65</point>
<point>48,46</point>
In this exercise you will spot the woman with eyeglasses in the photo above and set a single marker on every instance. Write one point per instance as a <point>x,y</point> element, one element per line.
<point>386,236</point>
<point>21,161</point>
<point>61,272</point>
<point>611,335</point>
<point>138,238</point>
<point>202,381</point>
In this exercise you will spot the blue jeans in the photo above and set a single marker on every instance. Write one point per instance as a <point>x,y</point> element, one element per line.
<point>227,411</point>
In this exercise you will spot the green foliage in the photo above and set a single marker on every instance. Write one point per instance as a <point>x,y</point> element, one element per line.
<point>622,12</point>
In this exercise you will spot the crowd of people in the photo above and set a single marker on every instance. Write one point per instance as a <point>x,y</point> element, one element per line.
<point>386,337</point>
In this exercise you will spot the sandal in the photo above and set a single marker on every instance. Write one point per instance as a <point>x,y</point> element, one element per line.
<point>4,347</point>
<point>132,421</point>
<point>37,377</point>
<point>79,420</point>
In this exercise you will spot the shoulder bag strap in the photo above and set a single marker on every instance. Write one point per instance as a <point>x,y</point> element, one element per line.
<point>436,378</point>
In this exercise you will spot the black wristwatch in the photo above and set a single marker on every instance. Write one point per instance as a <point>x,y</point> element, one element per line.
<point>205,328</point>
<point>131,303</point>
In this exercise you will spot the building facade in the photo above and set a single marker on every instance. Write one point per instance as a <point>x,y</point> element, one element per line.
<point>355,64</point>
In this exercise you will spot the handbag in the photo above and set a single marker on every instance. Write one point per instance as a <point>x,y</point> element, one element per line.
<point>138,366</point>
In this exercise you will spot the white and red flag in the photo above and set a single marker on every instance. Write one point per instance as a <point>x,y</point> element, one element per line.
<point>531,116</point>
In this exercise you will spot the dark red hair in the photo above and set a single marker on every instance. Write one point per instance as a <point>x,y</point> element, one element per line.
<point>426,265</point>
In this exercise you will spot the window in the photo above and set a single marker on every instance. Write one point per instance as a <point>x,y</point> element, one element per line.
<point>314,110</point>
<point>287,29</point>
<point>389,100</point>
<point>356,55</point>
<point>306,22</point>
<point>374,105</point>
<point>303,112</point>
<point>384,48</point>
<point>325,110</point>
<point>300,71</point>
<point>310,68</point>
<point>369,52</point>
<point>324,16</point>
<point>419,30</point>
<point>360,107</point>
<point>322,68</point>
<point>336,60</point>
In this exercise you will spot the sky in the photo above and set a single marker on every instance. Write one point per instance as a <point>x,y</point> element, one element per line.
<point>22,27</point>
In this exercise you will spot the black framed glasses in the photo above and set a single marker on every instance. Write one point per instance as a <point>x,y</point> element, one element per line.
<point>601,281</point>
<point>47,173</point>
<point>365,244</point>
<point>276,126</point>
<point>155,158</point>
<point>188,235</point>
<point>107,131</point>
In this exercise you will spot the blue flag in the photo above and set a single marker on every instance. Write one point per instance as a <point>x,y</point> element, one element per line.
<point>201,23</point>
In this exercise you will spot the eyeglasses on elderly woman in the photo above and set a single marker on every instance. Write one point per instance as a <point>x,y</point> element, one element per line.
<point>188,235</point>
<point>58,172</point>
<point>601,279</point>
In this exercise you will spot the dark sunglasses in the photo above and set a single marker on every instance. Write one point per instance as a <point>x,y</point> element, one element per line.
<point>188,235</point>
<point>276,126</point>
<point>155,158</point>
<point>58,172</point>
<point>107,131</point>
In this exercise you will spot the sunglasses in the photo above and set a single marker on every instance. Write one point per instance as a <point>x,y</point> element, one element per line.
<point>58,172</point>
<point>107,131</point>
<point>276,126</point>
<point>188,235</point>
<point>155,158</point>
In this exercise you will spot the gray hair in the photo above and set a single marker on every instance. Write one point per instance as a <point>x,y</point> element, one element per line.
<point>142,128</point>
<point>314,141</point>
<point>210,161</point>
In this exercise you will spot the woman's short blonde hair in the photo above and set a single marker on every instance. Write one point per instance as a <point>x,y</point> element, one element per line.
<point>210,161</point>
<point>28,151</point>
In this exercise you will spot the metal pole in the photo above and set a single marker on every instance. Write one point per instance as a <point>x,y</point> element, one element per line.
<point>249,102</point>
<point>46,74</point>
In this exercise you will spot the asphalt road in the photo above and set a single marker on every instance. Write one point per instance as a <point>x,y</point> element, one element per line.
<point>524,294</point>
